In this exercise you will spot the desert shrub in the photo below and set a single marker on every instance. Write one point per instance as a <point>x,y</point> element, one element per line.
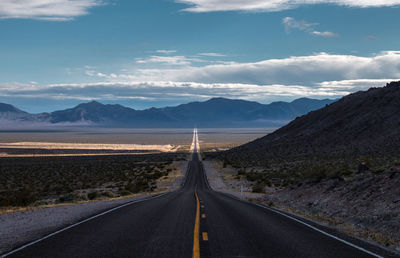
<point>24,181</point>
<point>316,173</point>
<point>241,171</point>
<point>124,192</point>
<point>139,186</point>
<point>68,198</point>
<point>254,176</point>
<point>108,194</point>
<point>21,197</point>
<point>396,163</point>
<point>378,170</point>
<point>93,195</point>
<point>345,171</point>
<point>366,161</point>
<point>25,197</point>
<point>258,188</point>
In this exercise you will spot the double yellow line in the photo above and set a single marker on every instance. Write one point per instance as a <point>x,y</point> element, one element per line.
<point>196,241</point>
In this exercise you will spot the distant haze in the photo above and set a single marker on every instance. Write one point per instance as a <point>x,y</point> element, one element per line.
<point>216,112</point>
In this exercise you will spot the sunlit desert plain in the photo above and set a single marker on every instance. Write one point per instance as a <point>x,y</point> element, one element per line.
<point>119,141</point>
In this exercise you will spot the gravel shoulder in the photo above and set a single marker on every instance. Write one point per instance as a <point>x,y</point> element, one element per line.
<point>223,180</point>
<point>21,227</point>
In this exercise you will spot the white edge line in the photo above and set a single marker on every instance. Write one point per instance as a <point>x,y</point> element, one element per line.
<point>78,223</point>
<point>322,232</point>
<point>308,225</point>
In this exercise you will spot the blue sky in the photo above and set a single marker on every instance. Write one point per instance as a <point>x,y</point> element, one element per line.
<point>143,53</point>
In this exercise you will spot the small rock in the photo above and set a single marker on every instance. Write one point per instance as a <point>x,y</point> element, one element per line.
<point>396,200</point>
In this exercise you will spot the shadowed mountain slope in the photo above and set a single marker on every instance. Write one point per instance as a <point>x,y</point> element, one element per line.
<point>361,123</point>
<point>9,112</point>
<point>94,112</point>
<point>9,108</point>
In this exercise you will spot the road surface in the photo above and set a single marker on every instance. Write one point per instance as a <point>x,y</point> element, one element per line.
<point>193,221</point>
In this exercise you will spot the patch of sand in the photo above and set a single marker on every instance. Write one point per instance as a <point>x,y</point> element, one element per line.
<point>87,146</point>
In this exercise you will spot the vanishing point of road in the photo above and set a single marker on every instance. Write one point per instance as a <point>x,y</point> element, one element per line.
<point>194,221</point>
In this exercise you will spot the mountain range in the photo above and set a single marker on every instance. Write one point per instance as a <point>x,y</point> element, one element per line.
<point>362,123</point>
<point>216,112</point>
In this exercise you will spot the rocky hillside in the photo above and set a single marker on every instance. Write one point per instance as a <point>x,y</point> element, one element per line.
<point>362,123</point>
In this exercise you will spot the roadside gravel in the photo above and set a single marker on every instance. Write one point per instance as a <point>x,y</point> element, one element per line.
<point>225,182</point>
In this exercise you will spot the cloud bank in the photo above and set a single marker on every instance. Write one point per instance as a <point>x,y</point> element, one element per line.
<point>296,70</point>
<point>320,75</point>
<point>185,91</point>
<point>54,10</point>
<point>274,5</point>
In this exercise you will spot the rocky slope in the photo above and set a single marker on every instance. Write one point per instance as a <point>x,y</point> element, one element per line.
<point>362,123</point>
<point>366,205</point>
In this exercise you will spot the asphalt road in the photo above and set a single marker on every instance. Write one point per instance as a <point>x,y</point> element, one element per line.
<point>193,222</point>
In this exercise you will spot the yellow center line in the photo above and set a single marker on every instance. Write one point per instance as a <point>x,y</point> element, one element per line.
<point>205,236</point>
<point>196,244</point>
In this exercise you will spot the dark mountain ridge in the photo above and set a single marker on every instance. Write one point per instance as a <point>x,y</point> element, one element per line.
<point>9,108</point>
<point>362,123</point>
<point>94,112</point>
<point>216,112</point>
<point>9,112</point>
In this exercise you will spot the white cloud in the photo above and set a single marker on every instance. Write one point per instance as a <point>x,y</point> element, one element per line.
<point>91,73</point>
<point>291,23</point>
<point>211,54</point>
<point>325,34</point>
<point>355,85</point>
<point>170,60</point>
<point>166,52</point>
<point>101,75</point>
<point>55,10</point>
<point>275,5</point>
